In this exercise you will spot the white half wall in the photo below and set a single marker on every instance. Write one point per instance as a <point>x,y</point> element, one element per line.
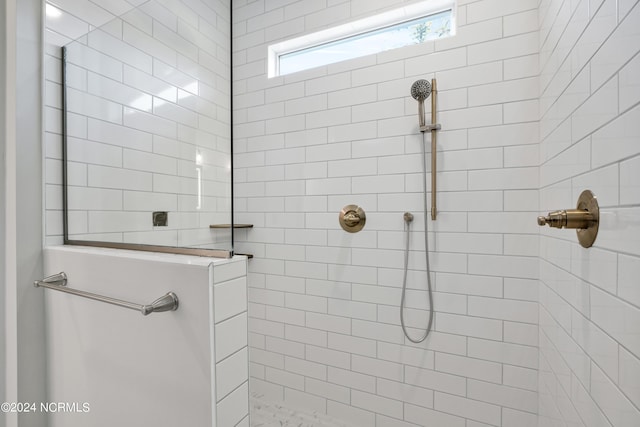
<point>165,369</point>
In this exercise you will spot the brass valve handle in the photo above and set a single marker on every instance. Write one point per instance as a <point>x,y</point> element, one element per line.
<point>585,219</point>
<point>352,218</point>
<point>568,218</point>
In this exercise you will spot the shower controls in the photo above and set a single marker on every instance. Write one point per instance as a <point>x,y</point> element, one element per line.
<point>570,218</point>
<point>160,218</point>
<point>584,218</point>
<point>352,218</point>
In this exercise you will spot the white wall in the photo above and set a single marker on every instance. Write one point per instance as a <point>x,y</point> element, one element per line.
<point>94,16</point>
<point>22,210</point>
<point>148,122</point>
<point>324,317</point>
<point>165,369</point>
<point>514,101</point>
<point>154,369</point>
<point>229,281</point>
<point>589,298</point>
<point>3,199</point>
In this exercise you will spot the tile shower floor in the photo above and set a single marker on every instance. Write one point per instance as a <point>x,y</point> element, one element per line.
<point>271,414</point>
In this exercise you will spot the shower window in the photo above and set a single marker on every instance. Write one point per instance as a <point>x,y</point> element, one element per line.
<point>390,30</point>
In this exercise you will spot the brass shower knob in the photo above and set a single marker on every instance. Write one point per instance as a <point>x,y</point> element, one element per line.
<point>584,219</point>
<point>569,218</point>
<point>352,218</point>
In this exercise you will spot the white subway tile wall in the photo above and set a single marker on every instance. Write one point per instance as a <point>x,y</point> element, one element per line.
<point>589,314</point>
<point>324,305</point>
<point>231,342</point>
<point>538,100</point>
<point>149,104</point>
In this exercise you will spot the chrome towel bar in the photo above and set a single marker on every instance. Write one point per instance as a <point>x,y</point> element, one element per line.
<point>58,282</point>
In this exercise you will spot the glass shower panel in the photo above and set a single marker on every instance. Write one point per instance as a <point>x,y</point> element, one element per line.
<point>148,129</point>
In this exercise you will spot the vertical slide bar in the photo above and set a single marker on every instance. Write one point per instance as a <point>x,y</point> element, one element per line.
<point>434,94</point>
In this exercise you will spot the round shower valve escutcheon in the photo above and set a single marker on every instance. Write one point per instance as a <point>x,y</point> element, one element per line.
<point>352,218</point>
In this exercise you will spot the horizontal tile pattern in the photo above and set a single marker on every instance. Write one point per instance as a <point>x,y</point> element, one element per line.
<point>149,111</point>
<point>229,300</point>
<point>311,142</point>
<point>586,341</point>
<point>586,56</point>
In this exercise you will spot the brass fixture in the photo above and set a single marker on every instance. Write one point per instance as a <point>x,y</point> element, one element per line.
<point>585,218</point>
<point>352,218</point>
<point>433,127</point>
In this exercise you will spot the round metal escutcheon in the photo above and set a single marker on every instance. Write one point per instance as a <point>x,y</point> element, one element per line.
<point>352,218</point>
<point>588,201</point>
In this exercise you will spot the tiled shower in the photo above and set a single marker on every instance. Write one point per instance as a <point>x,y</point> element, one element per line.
<point>538,100</point>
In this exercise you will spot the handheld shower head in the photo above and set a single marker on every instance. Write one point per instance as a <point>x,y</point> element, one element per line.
<point>420,90</point>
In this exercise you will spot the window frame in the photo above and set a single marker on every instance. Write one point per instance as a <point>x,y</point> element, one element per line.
<point>357,28</point>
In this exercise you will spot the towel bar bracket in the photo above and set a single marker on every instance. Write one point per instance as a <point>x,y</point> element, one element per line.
<point>59,279</point>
